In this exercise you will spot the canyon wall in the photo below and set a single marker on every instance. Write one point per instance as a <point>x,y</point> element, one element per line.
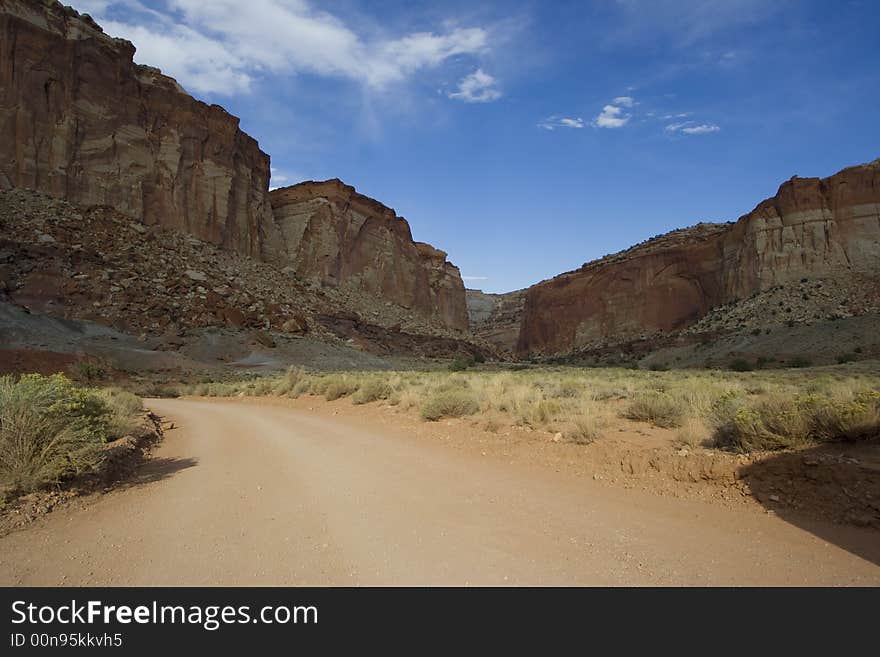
<point>338,237</point>
<point>81,121</point>
<point>496,318</point>
<point>812,228</point>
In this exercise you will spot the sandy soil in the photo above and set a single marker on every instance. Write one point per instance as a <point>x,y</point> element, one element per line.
<point>260,492</point>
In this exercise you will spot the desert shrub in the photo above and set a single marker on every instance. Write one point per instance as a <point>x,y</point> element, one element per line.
<point>539,412</point>
<point>449,403</point>
<point>782,422</point>
<point>460,364</point>
<point>125,409</point>
<point>289,381</point>
<point>372,390</point>
<point>302,387</point>
<point>799,361</point>
<point>586,429</point>
<point>87,371</point>
<point>567,389</point>
<point>659,408</point>
<point>338,387</point>
<point>49,430</point>
<point>691,434</point>
<point>741,365</point>
<point>857,418</point>
<point>658,367</point>
<point>846,358</point>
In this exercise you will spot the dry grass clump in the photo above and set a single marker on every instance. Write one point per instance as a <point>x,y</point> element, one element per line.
<point>339,386</point>
<point>449,403</point>
<point>659,408</point>
<point>372,390</point>
<point>289,382</point>
<point>125,409</point>
<point>586,429</point>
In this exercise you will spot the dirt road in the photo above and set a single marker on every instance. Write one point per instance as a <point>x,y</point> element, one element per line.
<point>241,494</point>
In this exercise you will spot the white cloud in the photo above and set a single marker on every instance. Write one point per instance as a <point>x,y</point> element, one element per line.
<point>478,87</point>
<point>702,129</point>
<point>553,122</point>
<point>692,128</point>
<point>475,278</point>
<point>623,101</point>
<point>611,116</point>
<point>283,179</point>
<point>222,45</point>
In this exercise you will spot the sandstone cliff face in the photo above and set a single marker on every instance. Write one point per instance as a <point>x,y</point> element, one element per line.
<point>81,121</point>
<point>811,228</point>
<point>496,318</point>
<point>338,237</point>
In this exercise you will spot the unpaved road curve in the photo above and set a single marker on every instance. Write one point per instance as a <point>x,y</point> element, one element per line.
<point>244,494</point>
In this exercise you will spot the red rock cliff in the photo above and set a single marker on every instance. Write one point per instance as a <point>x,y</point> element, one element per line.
<point>81,121</point>
<point>811,228</point>
<point>339,237</point>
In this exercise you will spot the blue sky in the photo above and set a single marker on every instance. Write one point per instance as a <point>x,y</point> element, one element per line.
<point>526,138</point>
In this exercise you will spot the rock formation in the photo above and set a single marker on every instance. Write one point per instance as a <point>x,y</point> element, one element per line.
<point>81,121</point>
<point>338,237</point>
<point>496,318</point>
<point>812,228</point>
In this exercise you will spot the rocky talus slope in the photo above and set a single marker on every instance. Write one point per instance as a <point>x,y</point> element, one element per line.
<point>496,318</point>
<point>724,275</point>
<point>100,265</point>
<point>79,120</point>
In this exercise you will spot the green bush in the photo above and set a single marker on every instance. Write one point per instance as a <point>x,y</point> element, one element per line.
<point>741,365</point>
<point>659,408</point>
<point>87,371</point>
<point>460,364</point>
<point>49,430</point>
<point>449,403</point>
<point>371,391</point>
<point>799,361</point>
<point>846,358</point>
<point>782,422</point>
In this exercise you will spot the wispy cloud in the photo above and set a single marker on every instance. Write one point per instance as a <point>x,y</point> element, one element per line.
<point>686,22</point>
<point>223,45</point>
<point>623,101</point>
<point>692,128</point>
<point>475,278</point>
<point>555,121</point>
<point>478,87</point>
